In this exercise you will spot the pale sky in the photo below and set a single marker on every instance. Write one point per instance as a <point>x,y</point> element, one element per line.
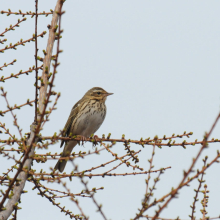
<point>161,61</point>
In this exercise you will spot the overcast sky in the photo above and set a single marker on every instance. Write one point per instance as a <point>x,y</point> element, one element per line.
<point>161,61</point>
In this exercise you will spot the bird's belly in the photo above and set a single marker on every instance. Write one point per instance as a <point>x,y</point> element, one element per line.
<point>89,123</point>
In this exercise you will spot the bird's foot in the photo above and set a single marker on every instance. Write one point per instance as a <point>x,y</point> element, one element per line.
<point>82,138</point>
<point>95,137</point>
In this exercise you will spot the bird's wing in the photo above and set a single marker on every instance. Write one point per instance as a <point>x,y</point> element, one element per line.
<point>73,113</point>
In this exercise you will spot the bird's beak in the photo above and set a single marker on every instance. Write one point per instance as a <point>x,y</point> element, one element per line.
<point>107,94</point>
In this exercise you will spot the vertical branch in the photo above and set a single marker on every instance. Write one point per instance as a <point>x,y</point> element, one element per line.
<point>15,214</point>
<point>36,50</point>
<point>21,175</point>
<point>204,202</point>
<point>147,195</point>
<point>151,167</point>
<point>47,58</point>
<point>197,191</point>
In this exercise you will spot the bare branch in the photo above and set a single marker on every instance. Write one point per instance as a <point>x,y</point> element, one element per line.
<point>21,175</point>
<point>36,70</point>
<point>16,107</point>
<point>2,79</point>
<point>9,12</point>
<point>5,65</point>
<point>175,191</point>
<point>21,42</point>
<point>12,27</point>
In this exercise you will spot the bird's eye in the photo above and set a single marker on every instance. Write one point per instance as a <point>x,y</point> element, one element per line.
<point>98,93</point>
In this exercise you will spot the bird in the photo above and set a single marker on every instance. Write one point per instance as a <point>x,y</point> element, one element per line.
<point>85,118</point>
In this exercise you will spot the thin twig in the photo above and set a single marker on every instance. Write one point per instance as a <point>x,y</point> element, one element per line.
<point>141,142</point>
<point>5,65</point>
<point>175,191</point>
<point>36,70</point>
<point>16,107</point>
<point>2,79</point>
<point>197,191</point>
<point>12,27</point>
<point>9,12</point>
<point>27,162</point>
<point>21,42</point>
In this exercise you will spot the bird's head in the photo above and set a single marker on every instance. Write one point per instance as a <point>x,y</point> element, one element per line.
<point>97,93</point>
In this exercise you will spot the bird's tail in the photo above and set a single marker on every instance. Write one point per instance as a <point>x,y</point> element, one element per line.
<point>60,165</point>
<point>66,152</point>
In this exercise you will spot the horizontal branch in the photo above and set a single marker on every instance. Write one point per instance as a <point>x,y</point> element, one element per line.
<point>64,175</point>
<point>39,157</point>
<point>160,218</point>
<point>9,12</point>
<point>21,42</point>
<point>141,142</point>
<point>53,156</point>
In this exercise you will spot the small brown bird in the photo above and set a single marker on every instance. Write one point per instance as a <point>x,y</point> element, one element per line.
<point>85,118</point>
